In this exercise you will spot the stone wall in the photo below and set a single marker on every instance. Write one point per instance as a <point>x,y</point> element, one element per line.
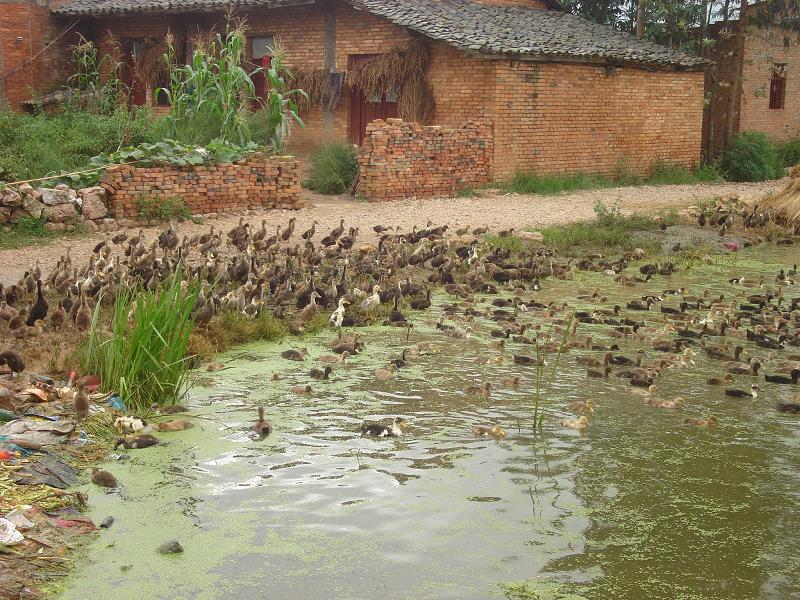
<point>257,182</point>
<point>401,160</point>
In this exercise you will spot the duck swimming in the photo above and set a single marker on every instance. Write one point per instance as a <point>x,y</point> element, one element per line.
<point>678,402</point>
<point>736,393</point>
<point>579,423</point>
<point>494,431</point>
<point>791,379</point>
<point>262,426</point>
<point>381,430</point>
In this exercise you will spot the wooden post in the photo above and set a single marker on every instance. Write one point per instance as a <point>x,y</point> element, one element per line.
<point>330,62</point>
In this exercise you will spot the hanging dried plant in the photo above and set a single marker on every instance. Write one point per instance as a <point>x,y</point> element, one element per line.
<point>399,70</point>
<point>149,65</point>
<point>315,83</point>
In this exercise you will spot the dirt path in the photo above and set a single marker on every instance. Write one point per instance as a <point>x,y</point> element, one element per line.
<point>494,210</point>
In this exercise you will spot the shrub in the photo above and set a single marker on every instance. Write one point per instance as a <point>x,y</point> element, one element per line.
<point>752,157</point>
<point>789,152</point>
<point>333,169</point>
<point>154,208</point>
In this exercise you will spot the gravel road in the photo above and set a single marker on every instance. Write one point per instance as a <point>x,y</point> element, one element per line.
<point>495,210</point>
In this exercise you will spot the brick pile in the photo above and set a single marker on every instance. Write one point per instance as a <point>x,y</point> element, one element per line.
<point>258,182</point>
<point>402,160</point>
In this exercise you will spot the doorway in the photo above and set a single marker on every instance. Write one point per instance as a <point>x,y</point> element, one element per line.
<point>364,109</point>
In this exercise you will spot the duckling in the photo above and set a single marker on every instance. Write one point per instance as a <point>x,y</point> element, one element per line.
<point>262,426</point>
<point>380,430</point>
<point>789,407</point>
<point>83,318</point>
<point>130,442</point>
<point>678,402</point>
<point>296,355</point>
<point>335,358</point>
<point>321,374</point>
<point>173,409</point>
<point>590,361</point>
<point>387,373</point>
<point>103,478</point>
<point>300,389</point>
<point>509,381</point>
<point>736,393</point>
<point>598,374</point>
<point>709,422</point>
<point>402,361</point>
<point>580,423</point>
<point>13,360</point>
<point>494,431</point>
<point>175,425</point>
<point>80,400</point>
<point>724,380</point>
<point>743,369</point>
<point>579,406</point>
<point>478,390</point>
<point>792,379</point>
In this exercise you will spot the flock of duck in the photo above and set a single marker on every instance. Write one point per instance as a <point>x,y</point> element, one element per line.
<point>300,275</point>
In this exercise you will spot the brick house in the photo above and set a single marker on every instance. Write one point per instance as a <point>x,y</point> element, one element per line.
<point>769,97</point>
<point>562,94</point>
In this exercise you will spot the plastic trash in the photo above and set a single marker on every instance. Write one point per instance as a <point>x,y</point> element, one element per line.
<point>9,534</point>
<point>18,518</point>
<point>43,378</point>
<point>116,402</point>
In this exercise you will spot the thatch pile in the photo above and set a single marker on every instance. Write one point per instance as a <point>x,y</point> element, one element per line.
<point>314,82</point>
<point>784,207</point>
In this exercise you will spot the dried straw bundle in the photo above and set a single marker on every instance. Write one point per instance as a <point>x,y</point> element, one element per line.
<point>150,65</point>
<point>315,83</point>
<point>784,207</point>
<point>402,70</point>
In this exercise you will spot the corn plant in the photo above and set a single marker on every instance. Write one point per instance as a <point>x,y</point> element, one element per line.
<point>214,96</point>
<point>144,358</point>
<point>89,88</point>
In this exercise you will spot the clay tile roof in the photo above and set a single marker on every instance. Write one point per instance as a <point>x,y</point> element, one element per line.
<point>521,31</point>
<point>494,30</point>
<point>94,8</point>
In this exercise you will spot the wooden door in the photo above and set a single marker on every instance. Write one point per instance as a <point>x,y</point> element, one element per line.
<point>364,110</point>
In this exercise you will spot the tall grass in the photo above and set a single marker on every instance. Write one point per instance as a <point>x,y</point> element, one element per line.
<point>145,358</point>
<point>544,381</point>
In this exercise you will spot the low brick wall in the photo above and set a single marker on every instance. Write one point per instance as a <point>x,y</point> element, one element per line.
<point>402,160</point>
<point>257,182</point>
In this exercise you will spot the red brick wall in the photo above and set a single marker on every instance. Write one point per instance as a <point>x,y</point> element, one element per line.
<point>258,182</point>
<point>400,160</point>
<point>26,28</point>
<point>564,118</point>
<point>763,48</point>
<point>548,117</point>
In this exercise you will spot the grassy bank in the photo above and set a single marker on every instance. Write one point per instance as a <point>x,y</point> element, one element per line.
<point>548,185</point>
<point>610,231</point>
<point>32,232</point>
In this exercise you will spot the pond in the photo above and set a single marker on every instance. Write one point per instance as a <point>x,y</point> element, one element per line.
<point>636,505</point>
